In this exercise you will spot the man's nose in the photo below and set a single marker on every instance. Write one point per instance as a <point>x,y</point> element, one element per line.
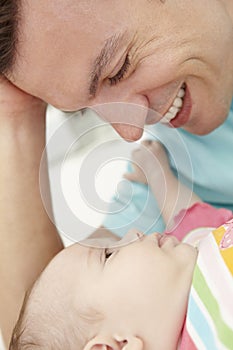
<point>128,132</point>
<point>128,119</point>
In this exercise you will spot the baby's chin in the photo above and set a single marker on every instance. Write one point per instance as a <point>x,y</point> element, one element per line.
<point>187,257</point>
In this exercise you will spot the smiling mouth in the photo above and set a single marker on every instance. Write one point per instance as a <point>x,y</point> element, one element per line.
<point>176,106</point>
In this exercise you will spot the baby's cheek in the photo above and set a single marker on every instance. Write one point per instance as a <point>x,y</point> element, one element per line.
<point>186,254</point>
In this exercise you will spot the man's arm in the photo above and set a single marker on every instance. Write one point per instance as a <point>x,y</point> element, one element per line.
<point>28,239</point>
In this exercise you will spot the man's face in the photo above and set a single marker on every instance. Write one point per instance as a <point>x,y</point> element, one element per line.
<point>74,54</point>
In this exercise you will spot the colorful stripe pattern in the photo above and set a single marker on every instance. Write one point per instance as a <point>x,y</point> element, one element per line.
<point>209,320</point>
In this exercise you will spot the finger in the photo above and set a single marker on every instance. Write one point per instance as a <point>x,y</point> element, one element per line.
<point>136,150</point>
<point>130,177</point>
<point>146,142</point>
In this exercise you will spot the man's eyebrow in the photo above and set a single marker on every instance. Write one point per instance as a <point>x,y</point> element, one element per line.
<point>103,59</point>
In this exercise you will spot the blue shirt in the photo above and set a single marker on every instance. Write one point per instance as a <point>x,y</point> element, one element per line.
<point>203,163</point>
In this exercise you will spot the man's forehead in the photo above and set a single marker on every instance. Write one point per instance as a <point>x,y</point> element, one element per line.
<point>59,7</point>
<point>50,29</point>
<point>55,12</point>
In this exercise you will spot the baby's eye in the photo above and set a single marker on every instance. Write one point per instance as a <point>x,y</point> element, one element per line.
<point>108,252</point>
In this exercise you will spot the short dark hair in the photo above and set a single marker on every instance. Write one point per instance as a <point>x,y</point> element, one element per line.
<point>9,19</point>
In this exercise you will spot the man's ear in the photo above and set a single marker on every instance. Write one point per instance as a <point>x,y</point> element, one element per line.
<point>103,342</point>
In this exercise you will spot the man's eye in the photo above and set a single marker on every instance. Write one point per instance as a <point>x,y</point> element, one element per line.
<point>122,72</point>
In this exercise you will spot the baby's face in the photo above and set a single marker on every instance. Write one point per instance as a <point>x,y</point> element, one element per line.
<point>140,286</point>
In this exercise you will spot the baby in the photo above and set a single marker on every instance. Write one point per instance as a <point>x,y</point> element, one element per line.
<point>142,292</point>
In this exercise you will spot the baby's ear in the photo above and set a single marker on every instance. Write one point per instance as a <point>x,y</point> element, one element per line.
<point>104,342</point>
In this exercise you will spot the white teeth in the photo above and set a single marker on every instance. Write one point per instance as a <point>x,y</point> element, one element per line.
<point>178,102</point>
<point>175,108</point>
<point>181,93</point>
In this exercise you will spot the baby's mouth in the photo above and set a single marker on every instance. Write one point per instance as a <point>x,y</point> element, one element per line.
<point>175,107</point>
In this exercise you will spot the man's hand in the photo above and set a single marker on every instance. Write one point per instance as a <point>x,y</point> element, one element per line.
<point>153,169</point>
<point>150,159</point>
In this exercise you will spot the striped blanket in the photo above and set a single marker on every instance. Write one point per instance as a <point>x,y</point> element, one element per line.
<point>209,320</point>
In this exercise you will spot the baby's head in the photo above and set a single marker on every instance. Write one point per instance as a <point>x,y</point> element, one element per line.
<point>132,297</point>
